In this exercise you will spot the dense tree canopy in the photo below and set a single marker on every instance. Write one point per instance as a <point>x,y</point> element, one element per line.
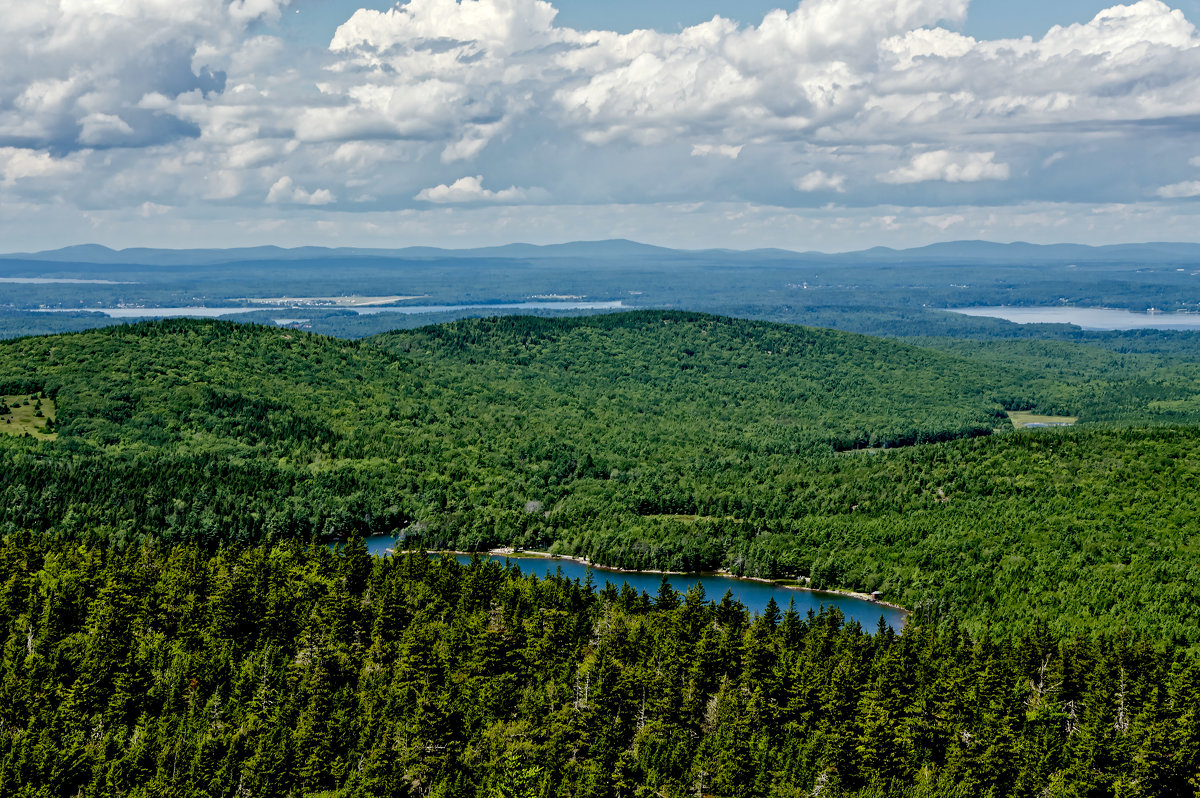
<point>170,624</point>
<point>277,671</point>
<point>639,440</point>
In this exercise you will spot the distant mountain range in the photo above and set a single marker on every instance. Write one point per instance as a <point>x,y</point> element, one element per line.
<point>1019,251</point>
<point>620,249</point>
<point>96,253</point>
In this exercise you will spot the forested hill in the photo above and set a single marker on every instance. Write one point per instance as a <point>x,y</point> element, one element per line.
<point>712,385</point>
<point>645,440</point>
<point>171,624</point>
<point>223,431</point>
<point>659,384</point>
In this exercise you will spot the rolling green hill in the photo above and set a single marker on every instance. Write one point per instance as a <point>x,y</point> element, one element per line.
<point>165,629</point>
<point>667,383</point>
<point>653,382</point>
<point>458,429</point>
<point>645,440</point>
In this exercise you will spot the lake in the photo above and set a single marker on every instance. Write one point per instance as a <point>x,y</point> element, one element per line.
<point>1088,318</point>
<point>207,312</point>
<point>565,305</point>
<point>62,281</point>
<point>751,593</point>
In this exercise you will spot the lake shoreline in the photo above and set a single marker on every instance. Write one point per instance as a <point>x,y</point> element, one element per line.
<point>1086,317</point>
<point>219,311</point>
<point>724,572</point>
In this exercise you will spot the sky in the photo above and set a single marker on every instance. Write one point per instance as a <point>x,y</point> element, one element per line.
<point>824,124</point>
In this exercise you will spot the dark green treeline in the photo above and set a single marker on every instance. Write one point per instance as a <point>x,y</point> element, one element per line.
<point>295,671</point>
<point>1082,530</point>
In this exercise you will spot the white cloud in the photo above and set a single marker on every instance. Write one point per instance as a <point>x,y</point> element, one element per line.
<point>72,72</point>
<point>470,189</point>
<point>944,221</point>
<point>1190,188</point>
<point>148,210</point>
<point>249,154</point>
<point>464,149</point>
<point>249,10</point>
<point>722,150</point>
<point>793,72</point>
<point>1125,30</point>
<point>100,129</point>
<point>284,190</point>
<point>17,164</point>
<point>820,181</point>
<point>928,44</point>
<point>503,25</point>
<point>875,72</point>
<point>126,102</point>
<point>949,166</point>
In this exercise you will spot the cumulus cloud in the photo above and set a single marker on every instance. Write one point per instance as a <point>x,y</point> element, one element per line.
<point>120,103</point>
<point>952,167</point>
<point>722,150</point>
<point>72,73</point>
<point>17,164</point>
<point>944,221</point>
<point>501,26</point>
<point>471,76</point>
<point>100,129</point>
<point>148,210</point>
<point>1189,188</point>
<point>820,181</point>
<point>284,190</point>
<point>470,189</point>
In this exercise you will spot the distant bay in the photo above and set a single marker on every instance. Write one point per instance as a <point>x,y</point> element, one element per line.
<point>62,281</point>
<point>211,312</point>
<point>564,305</point>
<point>1088,318</point>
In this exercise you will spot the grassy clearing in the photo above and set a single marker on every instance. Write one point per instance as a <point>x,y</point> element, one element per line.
<point>1021,419</point>
<point>27,414</point>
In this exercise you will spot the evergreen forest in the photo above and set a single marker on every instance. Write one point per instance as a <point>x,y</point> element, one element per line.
<point>187,607</point>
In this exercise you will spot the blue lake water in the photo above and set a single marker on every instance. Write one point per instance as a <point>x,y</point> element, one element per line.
<point>1088,318</point>
<point>754,595</point>
<point>207,312</point>
<point>557,305</point>
<point>159,313</point>
<point>62,280</point>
